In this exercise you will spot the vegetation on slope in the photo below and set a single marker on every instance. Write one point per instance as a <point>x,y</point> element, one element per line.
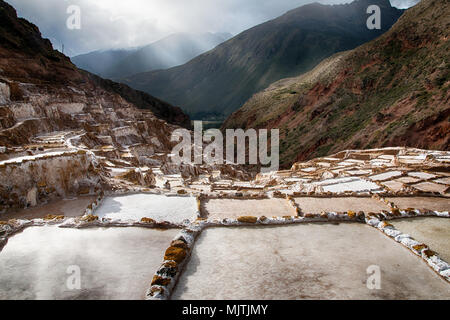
<point>393,91</point>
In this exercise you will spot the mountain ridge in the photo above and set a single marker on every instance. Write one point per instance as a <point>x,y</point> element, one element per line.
<point>28,58</point>
<point>173,50</point>
<point>218,82</point>
<point>391,91</point>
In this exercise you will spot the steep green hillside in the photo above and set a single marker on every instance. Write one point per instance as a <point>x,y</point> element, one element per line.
<point>393,91</point>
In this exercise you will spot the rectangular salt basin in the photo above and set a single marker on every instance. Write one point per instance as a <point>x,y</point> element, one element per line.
<point>422,175</point>
<point>67,208</point>
<point>318,205</point>
<point>157,207</point>
<point>431,203</point>
<point>430,187</point>
<point>393,185</point>
<point>113,263</point>
<point>385,175</point>
<point>233,208</point>
<point>434,232</point>
<point>348,184</point>
<point>307,261</point>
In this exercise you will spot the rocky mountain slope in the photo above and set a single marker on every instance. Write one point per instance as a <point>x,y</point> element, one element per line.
<point>220,81</point>
<point>168,52</point>
<point>393,91</point>
<point>66,133</point>
<point>27,58</point>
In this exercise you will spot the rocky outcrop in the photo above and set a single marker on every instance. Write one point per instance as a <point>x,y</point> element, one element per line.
<point>34,181</point>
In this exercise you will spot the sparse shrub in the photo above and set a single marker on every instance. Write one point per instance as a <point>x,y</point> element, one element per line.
<point>247,219</point>
<point>176,254</point>
<point>419,247</point>
<point>16,93</point>
<point>148,220</point>
<point>160,281</point>
<point>429,253</point>
<point>53,217</point>
<point>89,218</point>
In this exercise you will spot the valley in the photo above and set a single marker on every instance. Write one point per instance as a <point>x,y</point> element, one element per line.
<point>218,82</point>
<point>94,205</point>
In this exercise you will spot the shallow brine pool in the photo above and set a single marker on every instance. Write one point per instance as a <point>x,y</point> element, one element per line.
<point>157,207</point>
<point>46,263</point>
<point>310,261</point>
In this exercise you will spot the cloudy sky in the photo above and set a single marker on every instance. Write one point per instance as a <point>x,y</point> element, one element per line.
<point>107,24</point>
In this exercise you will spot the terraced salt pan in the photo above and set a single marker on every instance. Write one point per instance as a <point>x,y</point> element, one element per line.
<point>407,180</point>
<point>335,181</point>
<point>348,184</point>
<point>386,157</point>
<point>37,156</point>
<point>422,175</point>
<point>431,203</point>
<point>354,186</point>
<point>114,263</point>
<point>117,171</point>
<point>318,205</point>
<point>296,180</point>
<point>157,207</point>
<point>67,208</point>
<point>381,163</point>
<point>443,181</point>
<point>434,232</point>
<point>386,175</point>
<point>430,187</point>
<point>346,163</point>
<point>233,208</point>
<point>308,261</point>
<point>393,185</point>
<point>359,172</point>
<point>324,164</point>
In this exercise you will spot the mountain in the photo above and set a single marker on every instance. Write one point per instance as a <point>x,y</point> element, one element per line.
<point>101,62</point>
<point>25,57</point>
<point>171,51</point>
<point>218,82</point>
<point>392,91</point>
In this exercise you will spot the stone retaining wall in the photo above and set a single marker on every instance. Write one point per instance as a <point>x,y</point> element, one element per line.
<point>34,181</point>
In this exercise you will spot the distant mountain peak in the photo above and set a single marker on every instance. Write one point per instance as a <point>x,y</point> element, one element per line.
<point>172,50</point>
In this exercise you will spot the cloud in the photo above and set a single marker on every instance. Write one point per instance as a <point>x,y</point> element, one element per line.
<point>404,4</point>
<point>109,24</point>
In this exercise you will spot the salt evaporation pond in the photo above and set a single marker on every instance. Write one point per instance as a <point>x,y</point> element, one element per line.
<point>319,205</point>
<point>67,207</point>
<point>435,204</point>
<point>434,232</point>
<point>308,261</point>
<point>114,263</point>
<point>157,207</point>
<point>234,208</point>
